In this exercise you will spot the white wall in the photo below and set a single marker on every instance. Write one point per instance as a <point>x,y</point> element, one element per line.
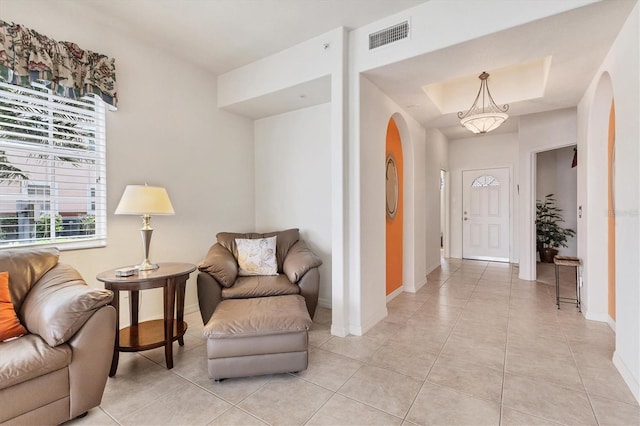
<point>482,152</point>
<point>436,155</point>
<point>435,17</point>
<point>293,180</point>
<point>423,159</point>
<point>537,133</point>
<point>618,75</point>
<point>555,176</point>
<point>167,131</point>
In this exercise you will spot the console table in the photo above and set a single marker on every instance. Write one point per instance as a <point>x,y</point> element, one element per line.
<point>172,278</point>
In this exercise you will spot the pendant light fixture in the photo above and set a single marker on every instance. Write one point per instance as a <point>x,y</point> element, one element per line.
<point>484,115</point>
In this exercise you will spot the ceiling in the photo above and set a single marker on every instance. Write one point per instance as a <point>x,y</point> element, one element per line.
<point>563,52</point>
<point>540,66</point>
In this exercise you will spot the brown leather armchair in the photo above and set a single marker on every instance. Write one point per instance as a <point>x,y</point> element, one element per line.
<point>297,272</point>
<point>58,370</point>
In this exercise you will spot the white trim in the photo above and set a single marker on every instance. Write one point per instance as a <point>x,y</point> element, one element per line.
<point>415,288</point>
<point>324,302</point>
<point>612,324</point>
<point>600,317</point>
<point>338,331</point>
<point>189,309</point>
<point>627,376</point>
<point>430,269</point>
<point>489,258</point>
<point>395,293</point>
<point>367,325</point>
<point>340,266</point>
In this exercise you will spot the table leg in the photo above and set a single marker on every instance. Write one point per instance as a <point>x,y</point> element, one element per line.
<point>133,306</point>
<point>557,287</point>
<point>169,305</point>
<point>180,310</point>
<point>116,353</point>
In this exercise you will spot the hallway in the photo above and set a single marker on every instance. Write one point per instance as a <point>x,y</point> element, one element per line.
<point>475,346</point>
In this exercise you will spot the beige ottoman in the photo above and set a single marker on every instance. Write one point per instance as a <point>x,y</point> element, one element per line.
<point>264,335</point>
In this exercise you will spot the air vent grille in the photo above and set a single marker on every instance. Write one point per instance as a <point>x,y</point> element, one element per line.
<point>389,35</point>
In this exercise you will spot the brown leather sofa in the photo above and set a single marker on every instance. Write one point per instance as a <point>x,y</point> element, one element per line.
<point>58,370</point>
<point>297,272</point>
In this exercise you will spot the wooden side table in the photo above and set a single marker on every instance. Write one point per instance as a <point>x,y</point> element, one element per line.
<point>172,278</point>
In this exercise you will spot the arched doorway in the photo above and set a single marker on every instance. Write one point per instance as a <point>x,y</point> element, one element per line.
<point>394,170</point>
<point>596,250</point>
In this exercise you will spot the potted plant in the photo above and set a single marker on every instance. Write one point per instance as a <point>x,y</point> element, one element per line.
<point>549,234</point>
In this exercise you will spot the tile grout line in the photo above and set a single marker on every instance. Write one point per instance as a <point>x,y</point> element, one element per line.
<point>439,352</point>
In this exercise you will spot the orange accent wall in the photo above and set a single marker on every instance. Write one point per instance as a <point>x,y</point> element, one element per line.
<point>394,227</point>
<point>612,217</point>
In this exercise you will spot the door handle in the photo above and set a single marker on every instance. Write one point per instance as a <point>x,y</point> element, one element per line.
<point>465,218</point>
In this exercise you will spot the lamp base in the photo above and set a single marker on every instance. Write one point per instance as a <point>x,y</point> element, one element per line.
<point>146,233</point>
<point>147,266</point>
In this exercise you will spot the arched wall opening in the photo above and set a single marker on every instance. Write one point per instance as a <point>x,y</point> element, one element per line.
<point>408,206</point>
<point>394,191</point>
<point>596,253</point>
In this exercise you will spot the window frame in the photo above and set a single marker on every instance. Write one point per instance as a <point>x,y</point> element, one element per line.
<point>87,146</point>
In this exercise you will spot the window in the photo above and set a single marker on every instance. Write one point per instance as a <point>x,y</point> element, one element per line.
<point>485,180</point>
<point>52,169</point>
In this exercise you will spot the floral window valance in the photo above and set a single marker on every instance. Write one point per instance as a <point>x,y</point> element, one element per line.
<point>27,56</point>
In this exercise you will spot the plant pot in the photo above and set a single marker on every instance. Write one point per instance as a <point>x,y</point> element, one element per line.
<point>547,254</point>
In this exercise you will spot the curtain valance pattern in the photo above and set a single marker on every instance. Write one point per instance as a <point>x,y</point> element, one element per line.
<point>27,56</point>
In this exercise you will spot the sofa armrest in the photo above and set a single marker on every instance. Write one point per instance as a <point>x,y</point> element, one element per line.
<point>221,264</point>
<point>209,295</point>
<point>60,303</point>
<point>92,352</point>
<point>309,288</point>
<point>299,260</point>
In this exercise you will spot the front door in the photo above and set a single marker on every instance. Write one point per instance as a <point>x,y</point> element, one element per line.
<point>485,214</point>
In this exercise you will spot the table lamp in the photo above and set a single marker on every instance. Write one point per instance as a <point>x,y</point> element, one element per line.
<point>145,201</point>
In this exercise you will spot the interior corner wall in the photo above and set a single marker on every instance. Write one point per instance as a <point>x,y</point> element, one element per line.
<point>167,131</point>
<point>293,181</point>
<point>556,176</point>
<point>622,64</point>
<point>482,152</point>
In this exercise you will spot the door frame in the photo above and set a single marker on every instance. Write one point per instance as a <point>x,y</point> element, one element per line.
<point>512,213</point>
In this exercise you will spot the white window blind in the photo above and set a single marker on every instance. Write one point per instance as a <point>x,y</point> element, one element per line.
<point>52,169</point>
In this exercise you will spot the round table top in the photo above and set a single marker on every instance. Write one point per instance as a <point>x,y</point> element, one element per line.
<point>165,270</point>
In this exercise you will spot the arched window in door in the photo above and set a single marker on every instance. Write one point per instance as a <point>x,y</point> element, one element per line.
<point>485,180</point>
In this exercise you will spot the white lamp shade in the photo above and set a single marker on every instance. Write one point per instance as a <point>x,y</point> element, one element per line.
<point>143,200</point>
<point>484,123</point>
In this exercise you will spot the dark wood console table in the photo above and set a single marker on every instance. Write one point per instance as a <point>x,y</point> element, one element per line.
<point>172,278</point>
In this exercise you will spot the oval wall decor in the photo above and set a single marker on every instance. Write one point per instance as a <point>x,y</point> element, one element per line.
<point>391,179</point>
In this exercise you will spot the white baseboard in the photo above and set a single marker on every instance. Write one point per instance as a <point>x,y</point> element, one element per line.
<point>368,325</point>
<point>432,268</point>
<point>612,324</point>
<point>600,316</point>
<point>324,302</point>
<point>414,289</point>
<point>340,332</point>
<point>191,308</point>
<point>395,293</point>
<point>628,378</point>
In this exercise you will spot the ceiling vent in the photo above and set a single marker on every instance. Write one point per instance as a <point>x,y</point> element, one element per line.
<point>389,35</point>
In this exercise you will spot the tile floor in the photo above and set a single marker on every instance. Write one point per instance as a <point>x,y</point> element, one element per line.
<point>474,346</point>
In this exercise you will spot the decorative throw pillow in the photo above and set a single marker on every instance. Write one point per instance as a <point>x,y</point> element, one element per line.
<point>9,324</point>
<point>257,256</point>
